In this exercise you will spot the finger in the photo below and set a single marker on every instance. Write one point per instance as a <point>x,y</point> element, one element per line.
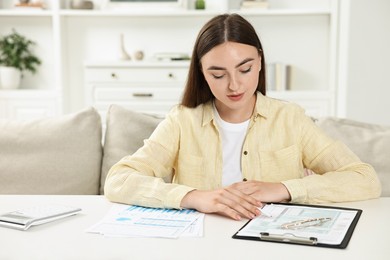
<point>238,202</point>
<point>244,196</point>
<point>228,205</point>
<point>228,212</point>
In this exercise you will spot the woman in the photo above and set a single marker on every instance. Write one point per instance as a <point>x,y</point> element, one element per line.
<point>229,147</point>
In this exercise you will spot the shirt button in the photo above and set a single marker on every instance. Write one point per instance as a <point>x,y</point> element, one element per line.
<point>245,152</point>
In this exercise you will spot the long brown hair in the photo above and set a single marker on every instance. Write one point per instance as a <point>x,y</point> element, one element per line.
<point>220,29</point>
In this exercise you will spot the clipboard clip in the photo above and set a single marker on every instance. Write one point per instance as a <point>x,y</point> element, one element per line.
<point>288,238</point>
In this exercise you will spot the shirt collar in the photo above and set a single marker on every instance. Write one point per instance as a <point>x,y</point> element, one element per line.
<point>262,108</point>
<point>208,114</point>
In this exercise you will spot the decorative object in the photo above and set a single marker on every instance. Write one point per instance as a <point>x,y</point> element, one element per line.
<point>139,55</point>
<point>254,4</point>
<point>81,4</point>
<point>171,56</point>
<point>234,5</point>
<point>9,78</point>
<point>124,54</point>
<point>200,5</point>
<point>16,55</point>
<point>30,4</point>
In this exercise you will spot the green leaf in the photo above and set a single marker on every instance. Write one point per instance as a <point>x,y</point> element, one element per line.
<point>16,51</point>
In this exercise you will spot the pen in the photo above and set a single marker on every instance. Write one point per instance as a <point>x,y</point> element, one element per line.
<point>305,223</point>
<point>264,213</point>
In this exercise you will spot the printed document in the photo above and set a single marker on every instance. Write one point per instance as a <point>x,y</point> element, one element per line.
<point>328,225</point>
<point>135,221</point>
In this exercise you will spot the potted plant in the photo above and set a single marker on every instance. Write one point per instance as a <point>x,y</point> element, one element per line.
<point>16,57</point>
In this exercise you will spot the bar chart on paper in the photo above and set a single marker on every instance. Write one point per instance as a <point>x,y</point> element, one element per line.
<point>136,221</point>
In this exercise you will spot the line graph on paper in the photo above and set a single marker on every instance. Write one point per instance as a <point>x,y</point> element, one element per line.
<point>136,221</point>
<point>156,217</point>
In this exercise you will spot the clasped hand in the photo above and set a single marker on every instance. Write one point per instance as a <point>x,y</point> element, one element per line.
<point>238,200</point>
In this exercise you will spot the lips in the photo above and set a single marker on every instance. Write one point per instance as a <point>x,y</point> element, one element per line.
<point>235,97</point>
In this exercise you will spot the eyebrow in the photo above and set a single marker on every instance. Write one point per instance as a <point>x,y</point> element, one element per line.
<point>238,65</point>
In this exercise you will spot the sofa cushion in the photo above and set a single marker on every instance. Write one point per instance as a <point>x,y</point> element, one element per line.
<point>60,155</point>
<point>125,133</point>
<point>370,142</point>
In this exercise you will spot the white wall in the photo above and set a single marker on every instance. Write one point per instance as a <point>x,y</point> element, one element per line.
<point>368,61</point>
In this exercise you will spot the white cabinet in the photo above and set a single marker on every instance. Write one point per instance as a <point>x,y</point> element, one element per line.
<point>300,33</point>
<point>149,87</point>
<point>29,104</point>
<point>155,87</point>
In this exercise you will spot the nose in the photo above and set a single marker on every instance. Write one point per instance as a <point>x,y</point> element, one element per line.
<point>233,83</point>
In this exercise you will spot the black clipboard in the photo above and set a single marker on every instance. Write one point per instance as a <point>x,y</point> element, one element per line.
<point>308,241</point>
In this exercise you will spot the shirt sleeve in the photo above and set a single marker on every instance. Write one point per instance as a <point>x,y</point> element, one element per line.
<point>339,174</point>
<point>144,177</point>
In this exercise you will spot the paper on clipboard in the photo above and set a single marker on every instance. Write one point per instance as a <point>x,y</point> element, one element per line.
<point>323,225</point>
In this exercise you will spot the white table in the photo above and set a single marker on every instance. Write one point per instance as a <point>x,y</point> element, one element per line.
<point>67,239</point>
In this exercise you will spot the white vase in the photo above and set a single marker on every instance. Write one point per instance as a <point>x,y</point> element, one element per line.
<point>10,78</point>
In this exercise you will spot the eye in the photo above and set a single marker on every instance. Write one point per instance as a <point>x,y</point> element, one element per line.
<point>218,76</point>
<point>247,70</point>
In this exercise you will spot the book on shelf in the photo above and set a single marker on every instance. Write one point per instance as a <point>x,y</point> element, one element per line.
<point>254,4</point>
<point>278,76</point>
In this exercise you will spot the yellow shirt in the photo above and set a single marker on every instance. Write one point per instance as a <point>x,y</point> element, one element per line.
<point>281,141</point>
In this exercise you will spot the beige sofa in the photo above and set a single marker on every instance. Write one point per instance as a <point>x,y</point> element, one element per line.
<point>66,154</point>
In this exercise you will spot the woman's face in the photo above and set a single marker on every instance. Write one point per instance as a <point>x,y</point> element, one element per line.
<point>232,71</point>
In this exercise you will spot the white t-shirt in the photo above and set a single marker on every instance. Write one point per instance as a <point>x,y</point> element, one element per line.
<point>232,136</point>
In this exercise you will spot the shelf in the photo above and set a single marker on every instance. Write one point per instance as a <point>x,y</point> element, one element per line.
<point>280,12</point>
<point>30,93</point>
<point>300,94</point>
<point>27,13</point>
<point>159,13</point>
<point>186,13</point>
<point>142,64</point>
<point>300,33</point>
<point>137,13</point>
